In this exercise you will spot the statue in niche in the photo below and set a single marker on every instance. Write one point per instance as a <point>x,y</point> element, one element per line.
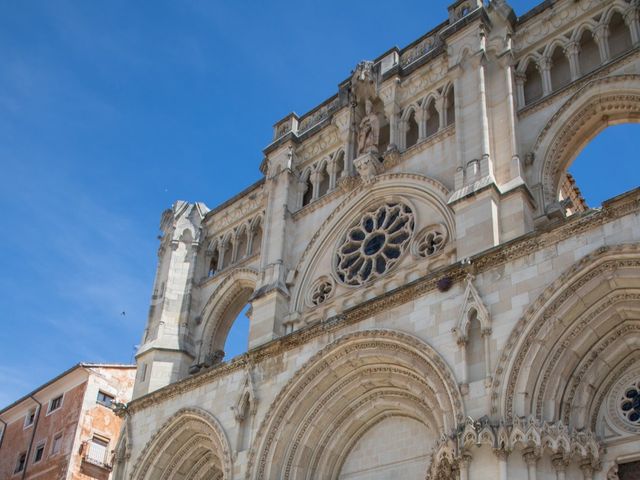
<point>368,131</point>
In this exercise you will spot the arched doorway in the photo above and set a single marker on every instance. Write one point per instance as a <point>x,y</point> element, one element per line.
<point>333,419</point>
<point>191,445</point>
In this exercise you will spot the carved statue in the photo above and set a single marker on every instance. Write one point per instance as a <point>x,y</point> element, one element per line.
<point>368,131</point>
<point>613,473</point>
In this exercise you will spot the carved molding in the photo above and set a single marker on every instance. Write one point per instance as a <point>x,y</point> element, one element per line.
<point>162,439</point>
<point>572,227</point>
<point>542,310</point>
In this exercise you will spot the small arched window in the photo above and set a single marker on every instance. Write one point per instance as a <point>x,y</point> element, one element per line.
<point>450,108</point>
<point>242,244</point>
<point>339,165</point>
<point>412,130</point>
<point>589,56</point>
<point>256,237</point>
<point>227,254</point>
<point>307,194</point>
<point>475,348</point>
<point>213,264</point>
<point>619,36</point>
<point>323,185</point>
<point>433,118</point>
<point>560,69</point>
<point>533,83</point>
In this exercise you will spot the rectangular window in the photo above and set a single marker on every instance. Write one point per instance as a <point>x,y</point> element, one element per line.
<point>105,399</point>
<point>30,418</point>
<point>143,374</point>
<point>22,460</point>
<point>97,450</point>
<point>39,453</point>
<point>57,443</point>
<point>55,403</point>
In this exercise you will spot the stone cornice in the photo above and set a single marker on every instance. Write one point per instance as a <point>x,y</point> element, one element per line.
<point>617,207</point>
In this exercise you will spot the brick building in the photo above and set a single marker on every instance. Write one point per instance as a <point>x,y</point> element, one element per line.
<point>65,429</point>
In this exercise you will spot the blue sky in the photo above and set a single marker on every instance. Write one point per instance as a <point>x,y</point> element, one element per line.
<point>110,111</point>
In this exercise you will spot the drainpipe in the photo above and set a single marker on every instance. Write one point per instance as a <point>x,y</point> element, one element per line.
<point>33,436</point>
<point>4,432</point>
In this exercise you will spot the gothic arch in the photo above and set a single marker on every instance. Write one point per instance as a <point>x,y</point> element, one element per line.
<point>601,103</point>
<point>571,340</point>
<point>412,187</point>
<point>191,444</point>
<point>342,392</point>
<point>219,312</point>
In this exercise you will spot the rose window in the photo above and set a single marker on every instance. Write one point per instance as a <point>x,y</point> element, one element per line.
<point>375,244</point>
<point>431,241</point>
<point>630,403</point>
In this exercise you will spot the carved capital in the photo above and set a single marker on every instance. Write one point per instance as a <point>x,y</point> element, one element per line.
<point>572,48</point>
<point>531,456</point>
<point>560,462</point>
<point>501,453</point>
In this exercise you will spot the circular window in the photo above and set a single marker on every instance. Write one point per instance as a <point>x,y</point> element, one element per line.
<point>320,291</point>
<point>630,403</point>
<point>374,245</point>
<point>430,241</point>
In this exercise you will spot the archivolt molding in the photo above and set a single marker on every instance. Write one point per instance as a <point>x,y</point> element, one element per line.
<point>400,186</point>
<point>582,116</point>
<point>544,313</point>
<point>606,306</point>
<point>571,228</point>
<point>214,440</point>
<point>424,370</point>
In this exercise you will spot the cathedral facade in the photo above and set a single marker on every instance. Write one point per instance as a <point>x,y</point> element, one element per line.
<point>429,295</point>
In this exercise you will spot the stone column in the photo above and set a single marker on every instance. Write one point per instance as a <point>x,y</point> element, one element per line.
<point>441,107</point>
<point>465,461</point>
<point>531,456</point>
<point>484,119</point>
<point>632,19</point>
<point>572,51</point>
<point>587,471</point>
<point>316,178</point>
<point>421,119</point>
<point>389,96</point>
<point>544,66</point>
<point>560,464</point>
<point>601,35</point>
<point>464,375</point>
<point>486,337</point>
<point>521,78</point>
<point>502,456</point>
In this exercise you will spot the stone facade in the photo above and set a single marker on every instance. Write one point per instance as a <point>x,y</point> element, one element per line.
<point>66,429</point>
<point>430,296</point>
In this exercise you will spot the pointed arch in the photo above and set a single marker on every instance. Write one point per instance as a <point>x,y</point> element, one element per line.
<point>177,450</point>
<point>222,308</point>
<point>589,111</point>
<point>425,192</point>
<point>316,418</point>
<point>571,339</point>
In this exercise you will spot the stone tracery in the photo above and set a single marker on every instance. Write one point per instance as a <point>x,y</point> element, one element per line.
<point>374,244</point>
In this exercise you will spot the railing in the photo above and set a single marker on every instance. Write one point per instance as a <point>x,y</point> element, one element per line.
<point>96,454</point>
